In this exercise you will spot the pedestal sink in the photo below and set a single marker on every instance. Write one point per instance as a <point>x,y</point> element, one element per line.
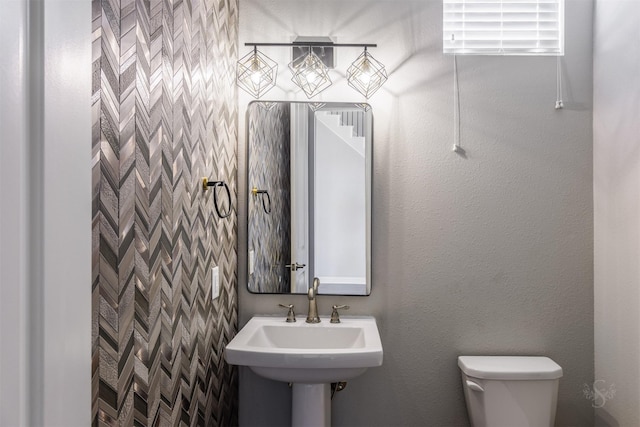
<point>311,356</point>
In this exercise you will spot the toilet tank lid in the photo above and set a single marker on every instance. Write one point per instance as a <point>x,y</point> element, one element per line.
<point>510,367</point>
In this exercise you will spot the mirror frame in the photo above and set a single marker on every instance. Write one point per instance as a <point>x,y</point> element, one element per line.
<point>246,194</point>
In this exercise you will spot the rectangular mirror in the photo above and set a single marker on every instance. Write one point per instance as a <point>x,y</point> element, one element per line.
<point>309,207</point>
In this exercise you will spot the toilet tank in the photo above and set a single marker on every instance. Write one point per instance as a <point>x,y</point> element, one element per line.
<point>510,391</point>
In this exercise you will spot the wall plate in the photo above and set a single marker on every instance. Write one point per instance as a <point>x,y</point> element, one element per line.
<point>325,53</point>
<point>215,283</point>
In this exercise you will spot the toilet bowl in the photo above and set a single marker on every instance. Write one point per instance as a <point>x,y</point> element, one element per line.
<point>510,391</point>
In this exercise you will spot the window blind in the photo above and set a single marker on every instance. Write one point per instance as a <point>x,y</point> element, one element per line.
<point>503,27</point>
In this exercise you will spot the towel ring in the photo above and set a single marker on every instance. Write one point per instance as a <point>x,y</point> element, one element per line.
<point>263,193</point>
<point>205,186</point>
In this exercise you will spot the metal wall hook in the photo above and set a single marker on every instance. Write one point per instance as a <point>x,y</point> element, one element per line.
<point>266,198</point>
<point>205,186</point>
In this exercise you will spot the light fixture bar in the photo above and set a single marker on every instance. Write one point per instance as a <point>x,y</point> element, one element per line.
<point>314,44</point>
<point>313,58</point>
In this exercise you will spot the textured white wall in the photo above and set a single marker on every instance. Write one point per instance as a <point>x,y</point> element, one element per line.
<point>491,253</point>
<point>616,192</point>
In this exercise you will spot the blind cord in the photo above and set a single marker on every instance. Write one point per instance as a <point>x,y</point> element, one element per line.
<point>456,107</point>
<point>559,104</point>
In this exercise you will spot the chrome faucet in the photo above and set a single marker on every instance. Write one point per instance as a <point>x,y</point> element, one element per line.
<point>312,316</point>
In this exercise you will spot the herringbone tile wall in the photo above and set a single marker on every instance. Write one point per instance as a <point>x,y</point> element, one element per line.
<point>164,115</point>
<point>269,169</point>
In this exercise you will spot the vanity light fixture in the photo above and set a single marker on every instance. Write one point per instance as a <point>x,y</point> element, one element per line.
<point>256,73</point>
<point>310,74</point>
<point>366,74</point>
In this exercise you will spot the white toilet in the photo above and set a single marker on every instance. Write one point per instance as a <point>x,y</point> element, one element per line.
<point>510,391</point>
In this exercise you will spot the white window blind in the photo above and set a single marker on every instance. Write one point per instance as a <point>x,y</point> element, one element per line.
<point>503,27</point>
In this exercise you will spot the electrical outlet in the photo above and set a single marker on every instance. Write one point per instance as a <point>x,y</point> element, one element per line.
<point>215,283</point>
<point>252,256</point>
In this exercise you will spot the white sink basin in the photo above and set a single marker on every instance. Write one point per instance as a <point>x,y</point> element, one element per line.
<point>301,352</point>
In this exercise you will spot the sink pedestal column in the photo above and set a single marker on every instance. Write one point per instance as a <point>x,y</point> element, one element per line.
<point>311,405</point>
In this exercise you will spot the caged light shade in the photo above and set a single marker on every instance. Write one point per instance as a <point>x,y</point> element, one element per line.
<point>366,74</point>
<point>256,73</point>
<point>310,74</point>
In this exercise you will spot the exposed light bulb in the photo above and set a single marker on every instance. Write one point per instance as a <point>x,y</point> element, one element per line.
<point>311,77</point>
<point>256,74</point>
<point>365,77</point>
<point>256,77</point>
<point>366,74</point>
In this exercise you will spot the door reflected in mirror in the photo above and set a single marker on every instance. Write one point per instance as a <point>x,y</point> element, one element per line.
<point>309,207</point>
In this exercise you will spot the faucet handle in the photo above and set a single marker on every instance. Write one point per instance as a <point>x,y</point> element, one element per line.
<point>335,316</point>
<point>291,316</point>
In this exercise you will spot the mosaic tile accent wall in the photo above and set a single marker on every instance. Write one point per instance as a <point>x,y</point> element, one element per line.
<point>164,115</point>
<point>269,168</point>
